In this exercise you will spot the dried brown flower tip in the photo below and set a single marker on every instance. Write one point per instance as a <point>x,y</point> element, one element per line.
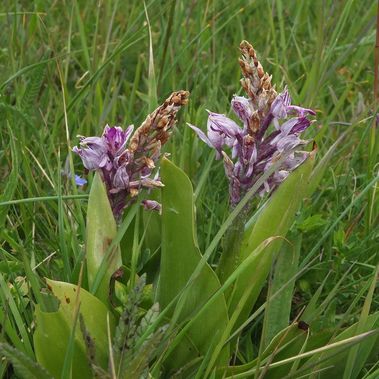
<point>256,83</point>
<point>157,125</point>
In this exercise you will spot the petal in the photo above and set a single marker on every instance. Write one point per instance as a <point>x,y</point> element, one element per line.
<point>92,159</point>
<point>301,111</point>
<point>128,132</point>
<point>96,143</point>
<point>286,127</point>
<point>223,128</point>
<point>252,160</point>
<point>279,107</point>
<point>236,151</point>
<point>242,108</point>
<point>301,125</point>
<point>295,160</point>
<point>115,138</point>
<point>121,179</point>
<point>288,143</point>
<point>201,135</point>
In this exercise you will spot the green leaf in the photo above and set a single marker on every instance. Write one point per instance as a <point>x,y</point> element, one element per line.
<point>101,230</point>
<point>179,258</point>
<point>8,267</point>
<point>51,340</point>
<point>22,364</point>
<point>53,330</point>
<point>273,222</point>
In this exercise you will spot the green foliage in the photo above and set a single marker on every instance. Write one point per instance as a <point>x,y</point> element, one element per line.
<point>179,257</point>
<point>23,365</point>
<point>102,255</point>
<point>280,291</point>
<point>134,345</point>
<point>67,69</point>
<point>52,335</point>
<point>272,223</point>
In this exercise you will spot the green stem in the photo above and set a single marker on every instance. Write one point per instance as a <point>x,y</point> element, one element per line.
<point>231,251</point>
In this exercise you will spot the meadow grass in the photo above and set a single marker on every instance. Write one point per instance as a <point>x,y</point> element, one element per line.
<point>69,67</point>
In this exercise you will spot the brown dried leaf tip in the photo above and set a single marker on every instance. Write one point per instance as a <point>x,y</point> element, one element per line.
<point>256,83</point>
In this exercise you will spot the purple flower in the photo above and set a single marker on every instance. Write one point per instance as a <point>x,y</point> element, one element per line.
<point>221,130</point>
<point>123,171</point>
<point>243,108</point>
<point>116,138</point>
<point>279,107</point>
<point>126,163</point>
<point>253,150</point>
<point>93,152</point>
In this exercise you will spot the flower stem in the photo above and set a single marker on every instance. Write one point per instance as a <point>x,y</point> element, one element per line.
<point>231,252</point>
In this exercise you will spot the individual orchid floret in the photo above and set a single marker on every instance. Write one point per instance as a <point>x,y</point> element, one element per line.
<point>221,131</point>
<point>127,162</point>
<point>255,146</point>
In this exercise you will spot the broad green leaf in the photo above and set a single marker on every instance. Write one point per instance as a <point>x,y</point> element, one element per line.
<point>51,340</point>
<point>22,364</point>
<point>53,329</point>
<point>274,221</point>
<point>101,230</point>
<point>179,257</point>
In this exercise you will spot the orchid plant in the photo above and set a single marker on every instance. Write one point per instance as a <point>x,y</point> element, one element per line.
<point>271,132</point>
<point>173,314</point>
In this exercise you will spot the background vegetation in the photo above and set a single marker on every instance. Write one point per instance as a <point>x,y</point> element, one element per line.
<point>70,67</point>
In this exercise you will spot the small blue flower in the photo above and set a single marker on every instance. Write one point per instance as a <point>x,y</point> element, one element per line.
<point>80,181</point>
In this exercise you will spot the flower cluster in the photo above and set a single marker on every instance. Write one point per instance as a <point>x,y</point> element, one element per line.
<point>252,150</point>
<point>127,162</point>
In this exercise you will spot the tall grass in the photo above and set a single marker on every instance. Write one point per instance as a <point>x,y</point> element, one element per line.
<point>69,67</point>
